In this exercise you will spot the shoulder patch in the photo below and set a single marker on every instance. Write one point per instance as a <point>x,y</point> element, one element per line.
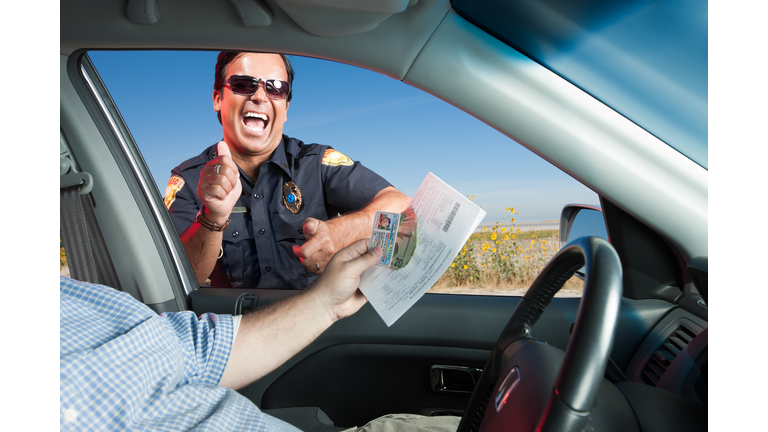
<point>333,158</point>
<point>175,183</point>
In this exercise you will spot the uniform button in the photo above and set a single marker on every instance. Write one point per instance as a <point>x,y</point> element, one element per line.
<point>262,231</point>
<point>268,269</point>
<point>257,196</point>
<point>301,231</point>
<point>235,234</point>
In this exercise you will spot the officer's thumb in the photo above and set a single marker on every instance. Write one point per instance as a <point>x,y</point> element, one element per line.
<point>310,227</point>
<point>223,149</point>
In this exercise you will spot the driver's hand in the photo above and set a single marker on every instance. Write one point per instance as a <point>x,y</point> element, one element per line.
<point>338,286</point>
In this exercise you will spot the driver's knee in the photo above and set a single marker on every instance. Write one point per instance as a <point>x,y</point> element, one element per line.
<point>410,423</point>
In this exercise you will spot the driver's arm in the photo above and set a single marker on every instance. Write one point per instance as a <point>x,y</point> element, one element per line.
<point>269,337</point>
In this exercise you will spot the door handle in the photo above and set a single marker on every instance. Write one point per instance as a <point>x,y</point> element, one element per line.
<point>453,379</point>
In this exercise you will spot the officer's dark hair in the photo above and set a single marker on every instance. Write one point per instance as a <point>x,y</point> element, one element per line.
<point>227,57</point>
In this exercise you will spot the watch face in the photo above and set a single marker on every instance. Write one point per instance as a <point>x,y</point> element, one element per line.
<point>292,197</point>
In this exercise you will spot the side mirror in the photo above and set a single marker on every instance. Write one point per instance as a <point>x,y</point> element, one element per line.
<point>579,220</point>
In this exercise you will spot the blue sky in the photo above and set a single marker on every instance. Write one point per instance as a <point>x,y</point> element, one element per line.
<point>165,99</point>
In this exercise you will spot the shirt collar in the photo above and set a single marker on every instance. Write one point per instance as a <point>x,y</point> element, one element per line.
<point>284,155</point>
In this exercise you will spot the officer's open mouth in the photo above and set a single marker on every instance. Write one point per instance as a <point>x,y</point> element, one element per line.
<point>255,121</point>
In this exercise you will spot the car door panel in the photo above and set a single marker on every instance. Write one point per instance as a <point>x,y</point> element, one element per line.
<point>353,383</point>
<point>360,368</point>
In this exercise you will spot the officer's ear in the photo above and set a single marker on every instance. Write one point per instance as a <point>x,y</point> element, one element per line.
<point>217,101</point>
<point>217,104</point>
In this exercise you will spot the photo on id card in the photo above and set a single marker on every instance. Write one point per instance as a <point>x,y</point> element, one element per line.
<point>395,234</point>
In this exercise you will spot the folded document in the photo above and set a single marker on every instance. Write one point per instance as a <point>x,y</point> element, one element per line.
<point>418,246</point>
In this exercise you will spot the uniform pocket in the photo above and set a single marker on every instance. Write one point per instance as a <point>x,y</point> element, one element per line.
<point>288,226</point>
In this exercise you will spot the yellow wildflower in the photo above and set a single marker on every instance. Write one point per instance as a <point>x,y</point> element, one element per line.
<point>506,237</point>
<point>493,250</point>
<point>465,267</point>
<point>493,237</point>
<point>453,264</point>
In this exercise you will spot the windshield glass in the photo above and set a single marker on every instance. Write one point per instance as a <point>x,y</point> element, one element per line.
<point>646,60</point>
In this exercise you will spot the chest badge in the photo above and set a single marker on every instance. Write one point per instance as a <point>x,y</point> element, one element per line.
<point>292,197</point>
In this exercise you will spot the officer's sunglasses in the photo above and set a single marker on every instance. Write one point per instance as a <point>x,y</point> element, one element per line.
<point>247,85</point>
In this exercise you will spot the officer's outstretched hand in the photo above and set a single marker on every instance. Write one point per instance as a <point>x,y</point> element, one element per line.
<point>323,240</point>
<point>338,285</point>
<point>219,186</point>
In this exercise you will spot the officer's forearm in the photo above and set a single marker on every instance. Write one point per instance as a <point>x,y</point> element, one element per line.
<point>203,247</point>
<point>358,224</point>
<point>389,199</point>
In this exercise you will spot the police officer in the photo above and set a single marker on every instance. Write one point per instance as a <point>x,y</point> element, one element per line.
<point>260,209</point>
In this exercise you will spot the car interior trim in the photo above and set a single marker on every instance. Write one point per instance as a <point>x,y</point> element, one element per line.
<point>148,191</point>
<point>658,337</point>
<point>120,224</point>
<point>540,110</point>
<point>132,245</point>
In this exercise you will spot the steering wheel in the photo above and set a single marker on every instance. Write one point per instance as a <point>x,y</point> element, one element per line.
<point>528,385</point>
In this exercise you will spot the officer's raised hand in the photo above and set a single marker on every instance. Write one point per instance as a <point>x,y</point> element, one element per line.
<point>219,186</point>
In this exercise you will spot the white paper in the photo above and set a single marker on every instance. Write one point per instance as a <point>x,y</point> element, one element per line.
<point>445,220</point>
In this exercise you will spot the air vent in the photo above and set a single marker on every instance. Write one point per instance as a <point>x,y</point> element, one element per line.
<point>666,354</point>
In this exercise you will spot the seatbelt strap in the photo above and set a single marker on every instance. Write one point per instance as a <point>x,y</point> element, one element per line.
<point>84,244</point>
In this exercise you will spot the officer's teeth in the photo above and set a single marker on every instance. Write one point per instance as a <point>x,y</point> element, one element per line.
<point>256,115</point>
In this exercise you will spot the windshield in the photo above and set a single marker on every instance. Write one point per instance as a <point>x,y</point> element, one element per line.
<point>646,60</point>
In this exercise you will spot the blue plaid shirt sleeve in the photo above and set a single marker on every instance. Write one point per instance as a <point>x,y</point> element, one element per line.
<point>206,342</point>
<point>123,367</point>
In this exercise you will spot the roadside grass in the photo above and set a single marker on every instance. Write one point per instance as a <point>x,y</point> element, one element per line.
<point>503,260</point>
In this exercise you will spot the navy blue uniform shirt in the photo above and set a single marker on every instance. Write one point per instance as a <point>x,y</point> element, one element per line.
<point>258,242</point>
